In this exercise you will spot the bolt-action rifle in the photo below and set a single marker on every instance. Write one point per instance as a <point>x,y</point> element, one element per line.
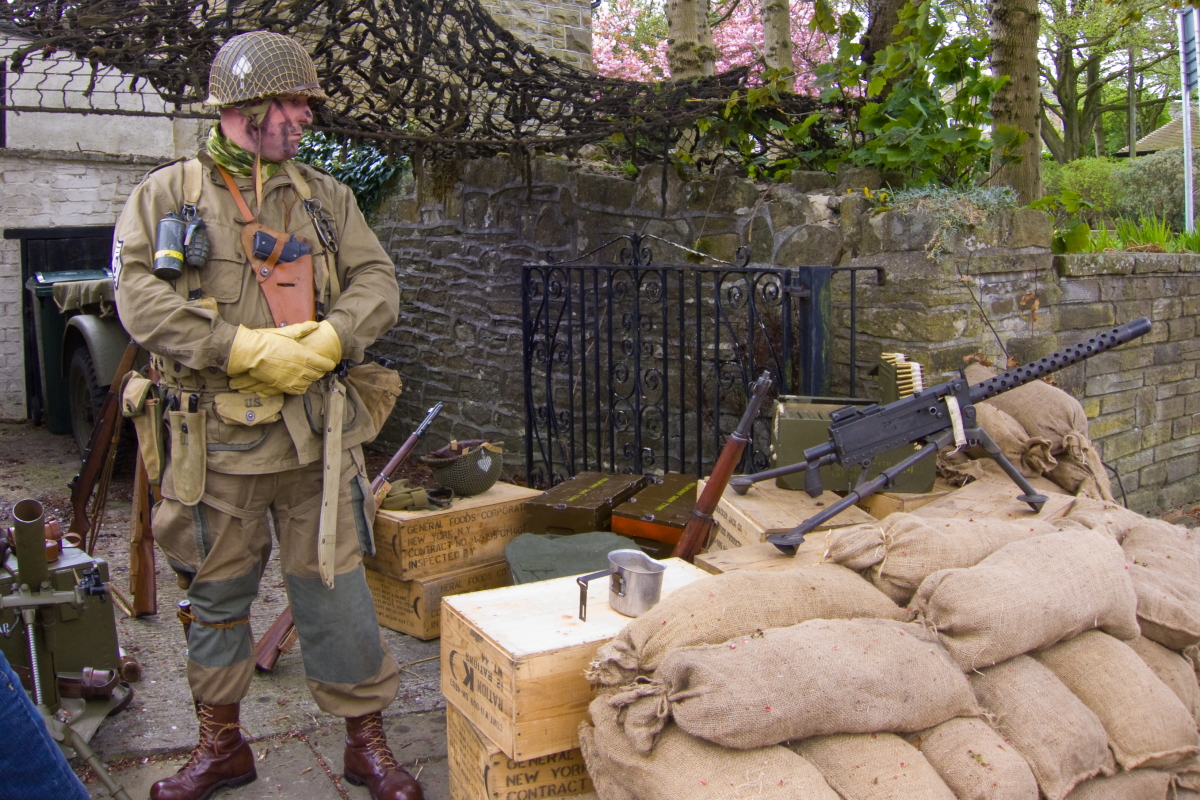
<point>695,533</point>
<point>281,636</point>
<point>930,419</point>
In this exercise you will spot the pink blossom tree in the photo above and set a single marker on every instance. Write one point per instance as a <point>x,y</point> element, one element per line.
<point>629,40</point>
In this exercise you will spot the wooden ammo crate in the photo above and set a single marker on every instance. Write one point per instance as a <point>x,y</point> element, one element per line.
<point>513,658</point>
<point>883,504</point>
<point>994,499</point>
<point>414,607</point>
<point>479,770</point>
<point>766,509</point>
<point>474,530</point>
<point>764,557</point>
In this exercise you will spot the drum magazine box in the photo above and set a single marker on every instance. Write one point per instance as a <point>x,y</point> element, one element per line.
<point>803,422</point>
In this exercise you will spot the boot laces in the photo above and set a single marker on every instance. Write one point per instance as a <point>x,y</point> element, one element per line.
<point>210,734</point>
<point>376,742</point>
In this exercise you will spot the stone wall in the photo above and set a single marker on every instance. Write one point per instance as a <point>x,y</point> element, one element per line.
<point>49,189</point>
<point>460,238</point>
<point>1140,399</point>
<point>560,28</point>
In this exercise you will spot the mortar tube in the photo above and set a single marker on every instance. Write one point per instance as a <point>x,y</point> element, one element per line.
<point>29,531</point>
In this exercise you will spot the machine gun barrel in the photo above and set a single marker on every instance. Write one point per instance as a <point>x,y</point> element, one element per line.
<point>932,418</point>
<point>1059,359</point>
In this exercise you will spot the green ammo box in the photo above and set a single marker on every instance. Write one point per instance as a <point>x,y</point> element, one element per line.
<point>582,504</point>
<point>803,422</point>
<point>82,638</point>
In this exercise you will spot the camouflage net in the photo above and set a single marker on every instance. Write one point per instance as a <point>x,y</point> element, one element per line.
<point>427,76</point>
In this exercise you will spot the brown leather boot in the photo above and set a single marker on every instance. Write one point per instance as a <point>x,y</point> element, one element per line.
<point>222,758</point>
<point>370,763</point>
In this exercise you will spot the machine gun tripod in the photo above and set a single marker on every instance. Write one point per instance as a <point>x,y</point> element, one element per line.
<point>930,419</point>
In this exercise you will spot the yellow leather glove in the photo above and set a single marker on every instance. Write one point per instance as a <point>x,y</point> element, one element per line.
<point>274,360</point>
<point>322,340</point>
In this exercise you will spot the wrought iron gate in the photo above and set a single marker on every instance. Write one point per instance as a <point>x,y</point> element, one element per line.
<point>637,367</point>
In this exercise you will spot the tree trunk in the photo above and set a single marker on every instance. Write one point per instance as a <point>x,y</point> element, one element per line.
<point>1094,96</point>
<point>777,36</point>
<point>1014,31</point>
<point>689,39</point>
<point>883,16</point>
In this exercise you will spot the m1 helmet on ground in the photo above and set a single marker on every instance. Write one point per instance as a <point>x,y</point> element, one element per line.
<point>259,64</point>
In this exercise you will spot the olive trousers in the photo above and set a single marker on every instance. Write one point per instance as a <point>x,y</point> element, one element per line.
<point>222,544</point>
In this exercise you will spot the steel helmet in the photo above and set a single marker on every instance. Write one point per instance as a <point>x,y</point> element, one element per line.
<point>261,64</point>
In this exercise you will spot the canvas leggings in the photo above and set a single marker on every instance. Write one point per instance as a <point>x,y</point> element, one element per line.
<point>223,544</point>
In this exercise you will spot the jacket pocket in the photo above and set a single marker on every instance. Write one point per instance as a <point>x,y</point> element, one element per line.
<point>222,277</point>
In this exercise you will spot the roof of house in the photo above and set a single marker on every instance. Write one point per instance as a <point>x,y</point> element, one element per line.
<point>1169,135</point>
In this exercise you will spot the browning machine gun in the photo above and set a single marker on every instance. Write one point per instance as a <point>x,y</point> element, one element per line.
<point>930,419</point>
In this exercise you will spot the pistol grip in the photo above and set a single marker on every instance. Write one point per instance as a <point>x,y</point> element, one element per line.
<point>812,480</point>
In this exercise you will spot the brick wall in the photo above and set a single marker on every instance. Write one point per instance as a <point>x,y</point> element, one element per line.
<point>42,189</point>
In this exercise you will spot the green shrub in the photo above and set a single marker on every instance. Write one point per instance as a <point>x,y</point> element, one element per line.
<point>368,171</point>
<point>1152,186</point>
<point>1051,176</point>
<point>1091,179</point>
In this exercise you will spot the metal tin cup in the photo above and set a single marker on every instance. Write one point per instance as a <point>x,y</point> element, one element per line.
<point>634,586</point>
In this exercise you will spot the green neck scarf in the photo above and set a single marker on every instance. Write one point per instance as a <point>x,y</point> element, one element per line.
<point>235,159</point>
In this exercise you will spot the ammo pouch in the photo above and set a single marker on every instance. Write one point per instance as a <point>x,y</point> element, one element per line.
<point>377,388</point>
<point>188,455</point>
<point>141,402</point>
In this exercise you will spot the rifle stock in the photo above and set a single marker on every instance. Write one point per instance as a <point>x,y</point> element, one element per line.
<point>695,533</point>
<point>142,583</point>
<point>278,639</point>
<point>102,441</point>
<point>382,483</point>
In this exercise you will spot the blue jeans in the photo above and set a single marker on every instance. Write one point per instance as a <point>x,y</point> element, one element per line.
<point>31,765</point>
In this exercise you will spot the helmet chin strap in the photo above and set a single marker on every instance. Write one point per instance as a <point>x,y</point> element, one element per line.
<point>256,113</point>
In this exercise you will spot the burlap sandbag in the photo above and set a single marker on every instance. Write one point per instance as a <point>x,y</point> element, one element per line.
<point>1028,595</point>
<point>1080,470</point>
<point>682,767</point>
<point>716,609</point>
<point>1164,564</point>
<point>874,767</point>
<point>1041,409</point>
<point>902,550</point>
<point>1030,455</point>
<point>1185,794</point>
<point>958,470</point>
<point>1172,669</point>
<point>1061,739</point>
<point>1103,516</point>
<point>975,761</point>
<point>1146,723</point>
<point>1141,784</point>
<point>816,678</point>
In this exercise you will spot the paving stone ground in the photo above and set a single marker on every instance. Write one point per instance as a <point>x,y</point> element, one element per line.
<point>298,747</point>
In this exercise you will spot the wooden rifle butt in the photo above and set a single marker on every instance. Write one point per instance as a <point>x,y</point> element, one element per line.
<point>279,638</point>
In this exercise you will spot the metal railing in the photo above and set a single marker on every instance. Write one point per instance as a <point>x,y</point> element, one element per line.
<point>641,367</point>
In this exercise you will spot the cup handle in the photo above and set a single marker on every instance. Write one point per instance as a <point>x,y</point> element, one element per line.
<point>582,580</point>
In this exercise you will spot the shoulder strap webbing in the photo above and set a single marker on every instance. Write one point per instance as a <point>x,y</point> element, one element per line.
<point>193,181</point>
<point>305,192</point>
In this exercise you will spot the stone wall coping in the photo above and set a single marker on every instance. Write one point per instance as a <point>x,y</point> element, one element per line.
<point>24,153</point>
<point>1088,265</point>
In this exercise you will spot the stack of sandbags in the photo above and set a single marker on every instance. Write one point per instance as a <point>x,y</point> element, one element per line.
<point>1042,430</point>
<point>900,551</point>
<point>736,604</point>
<point>1025,675</point>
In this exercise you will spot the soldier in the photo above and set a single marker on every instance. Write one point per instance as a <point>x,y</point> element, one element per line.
<point>245,340</point>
